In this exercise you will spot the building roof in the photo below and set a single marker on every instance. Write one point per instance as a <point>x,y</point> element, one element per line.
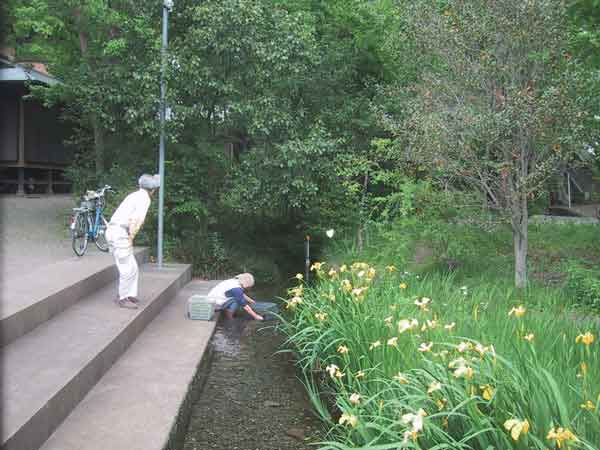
<point>10,71</point>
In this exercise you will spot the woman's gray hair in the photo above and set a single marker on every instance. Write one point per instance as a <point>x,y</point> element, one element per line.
<point>245,279</point>
<point>149,182</point>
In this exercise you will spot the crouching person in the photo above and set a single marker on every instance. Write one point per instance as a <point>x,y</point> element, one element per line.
<point>229,295</point>
<point>124,224</point>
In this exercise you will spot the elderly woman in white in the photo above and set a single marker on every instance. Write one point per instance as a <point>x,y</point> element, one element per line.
<point>229,295</point>
<point>120,233</point>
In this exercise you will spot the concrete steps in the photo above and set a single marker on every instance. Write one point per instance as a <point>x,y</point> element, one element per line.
<point>143,400</point>
<point>39,295</point>
<point>52,362</point>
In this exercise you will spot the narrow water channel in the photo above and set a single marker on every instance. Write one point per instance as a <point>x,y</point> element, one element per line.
<point>252,398</point>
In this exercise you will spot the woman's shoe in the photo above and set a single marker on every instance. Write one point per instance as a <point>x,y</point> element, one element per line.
<point>125,303</point>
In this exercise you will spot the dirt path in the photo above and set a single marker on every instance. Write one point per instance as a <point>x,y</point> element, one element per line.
<point>252,399</point>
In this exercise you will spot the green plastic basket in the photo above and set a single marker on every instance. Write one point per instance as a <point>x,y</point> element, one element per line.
<point>201,307</point>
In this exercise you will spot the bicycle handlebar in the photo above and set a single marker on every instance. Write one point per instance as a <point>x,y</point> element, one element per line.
<point>91,195</point>
<point>104,189</point>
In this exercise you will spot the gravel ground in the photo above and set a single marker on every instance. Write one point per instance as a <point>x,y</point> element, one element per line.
<point>252,399</point>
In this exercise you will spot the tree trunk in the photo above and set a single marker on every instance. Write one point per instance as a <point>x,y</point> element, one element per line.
<point>361,225</point>
<point>95,122</point>
<point>359,238</point>
<point>520,240</point>
<point>98,145</point>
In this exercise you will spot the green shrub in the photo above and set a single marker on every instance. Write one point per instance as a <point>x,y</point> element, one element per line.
<point>583,284</point>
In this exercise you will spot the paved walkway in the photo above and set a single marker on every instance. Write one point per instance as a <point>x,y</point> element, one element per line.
<point>34,233</point>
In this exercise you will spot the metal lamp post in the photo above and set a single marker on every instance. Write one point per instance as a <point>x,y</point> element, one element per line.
<point>167,6</point>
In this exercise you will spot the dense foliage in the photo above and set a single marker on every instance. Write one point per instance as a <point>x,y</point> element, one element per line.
<point>294,116</point>
<point>424,132</point>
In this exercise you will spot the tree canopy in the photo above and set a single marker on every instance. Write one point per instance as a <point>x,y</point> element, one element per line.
<point>309,114</point>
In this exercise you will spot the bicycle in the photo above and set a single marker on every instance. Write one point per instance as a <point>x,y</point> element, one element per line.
<point>88,222</point>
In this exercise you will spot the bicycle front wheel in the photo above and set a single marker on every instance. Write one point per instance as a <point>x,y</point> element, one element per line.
<point>100,240</point>
<point>80,235</point>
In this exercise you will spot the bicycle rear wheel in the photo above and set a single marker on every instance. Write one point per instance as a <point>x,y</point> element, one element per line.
<point>80,235</point>
<point>100,240</point>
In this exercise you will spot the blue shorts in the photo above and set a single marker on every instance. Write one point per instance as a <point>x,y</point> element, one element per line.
<point>236,300</point>
<point>231,305</point>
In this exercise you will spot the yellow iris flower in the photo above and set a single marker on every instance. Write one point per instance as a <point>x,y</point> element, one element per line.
<point>517,427</point>
<point>349,419</point>
<point>464,346</point>
<point>374,345</point>
<point>560,435</point>
<point>331,370</point>
<point>586,339</point>
<point>355,398</point>
<point>405,325</point>
<point>346,285</point>
<point>464,372</point>
<point>321,316</point>
<point>589,405</point>
<point>422,303</point>
<point>425,347</point>
<point>518,311</point>
<point>316,266</point>
<point>487,392</point>
<point>434,386</point>
<point>342,349</point>
<point>401,378</point>
<point>295,301</point>
<point>359,292</point>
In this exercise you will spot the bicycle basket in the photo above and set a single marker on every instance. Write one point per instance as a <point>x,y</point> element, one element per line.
<point>100,202</point>
<point>87,204</point>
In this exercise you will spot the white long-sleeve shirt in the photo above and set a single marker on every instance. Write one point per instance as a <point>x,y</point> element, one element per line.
<point>132,211</point>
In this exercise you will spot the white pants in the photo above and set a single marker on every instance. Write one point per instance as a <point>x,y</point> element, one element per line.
<point>122,251</point>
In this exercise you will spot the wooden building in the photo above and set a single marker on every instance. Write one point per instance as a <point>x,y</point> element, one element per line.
<point>33,156</point>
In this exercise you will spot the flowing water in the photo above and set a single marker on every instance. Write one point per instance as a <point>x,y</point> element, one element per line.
<point>252,398</point>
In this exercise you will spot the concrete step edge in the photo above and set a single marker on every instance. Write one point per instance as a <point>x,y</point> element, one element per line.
<point>144,401</point>
<point>32,434</point>
<point>40,310</point>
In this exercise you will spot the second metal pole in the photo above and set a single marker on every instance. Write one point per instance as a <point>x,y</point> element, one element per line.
<point>161,149</point>
<point>307,258</point>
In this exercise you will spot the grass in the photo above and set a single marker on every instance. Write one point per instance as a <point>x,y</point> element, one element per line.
<point>471,379</point>
<point>483,257</point>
